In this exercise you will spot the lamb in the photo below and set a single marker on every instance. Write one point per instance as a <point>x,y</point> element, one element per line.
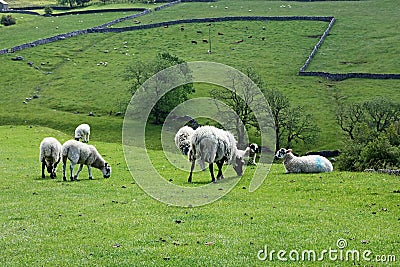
<point>82,132</point>
<point>81,153</point>
<point>50,155</point>
<point>254,149</point>
<point>210,144</point>
<point>304,164</point>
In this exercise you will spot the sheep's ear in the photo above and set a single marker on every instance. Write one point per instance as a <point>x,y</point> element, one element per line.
<point>289,151</point>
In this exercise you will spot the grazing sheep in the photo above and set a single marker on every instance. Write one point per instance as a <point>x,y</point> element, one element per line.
<point>210,144</point>
<point>254,149</point>
<point>82,132</point>
<point>50,155</point>
<point>305,164</point>
<point>81,153</point>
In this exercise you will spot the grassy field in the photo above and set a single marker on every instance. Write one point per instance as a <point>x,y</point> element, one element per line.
<point>113,222</point>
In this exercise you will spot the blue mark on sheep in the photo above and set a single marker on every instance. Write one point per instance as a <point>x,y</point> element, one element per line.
<point>319,164</point>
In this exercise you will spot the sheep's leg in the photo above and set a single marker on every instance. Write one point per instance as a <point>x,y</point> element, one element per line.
<point>71,169</point>
<point>43,166</point>
<point>64,167</point>
<point>90,172</point>
<point>210,166</point>
<point>77,173</point>
<point>220,175</point>
<point>191,171</point>
<point>54,169</point>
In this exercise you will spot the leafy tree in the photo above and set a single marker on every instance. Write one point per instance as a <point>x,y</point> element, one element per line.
<point>139,72</point>
<point>374,133</point>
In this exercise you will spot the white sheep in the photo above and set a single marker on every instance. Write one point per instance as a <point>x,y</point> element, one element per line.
<point>83,154</point>
<point>210,144</point>
<point>82,132</point>
<point>50,155</point>
<point>304,164</point>
<point>182,139</point>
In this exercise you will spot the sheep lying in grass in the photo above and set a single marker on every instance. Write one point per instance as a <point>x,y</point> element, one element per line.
<point>82,132</point>
<point>305,164</point>
<point>50,155</point>
<point>81,153</point>
<point>182,139</point>
<point>210,144</point>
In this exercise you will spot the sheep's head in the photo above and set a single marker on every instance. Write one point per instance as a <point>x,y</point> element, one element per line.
<point>185,147</point>
<point>282,153</point>
<point>106,170</point>
<point>49,167</point>
<point>254,148</point>
<point>239,160</point>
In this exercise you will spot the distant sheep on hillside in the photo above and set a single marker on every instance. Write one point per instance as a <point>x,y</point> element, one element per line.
<point>305,164</point>
<point>50,155</point>
<point>82,132</point>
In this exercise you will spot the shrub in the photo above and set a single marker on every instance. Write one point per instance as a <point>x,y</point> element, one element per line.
<point>7,20</point>
<point>48,10</point>
<point>381,151</point>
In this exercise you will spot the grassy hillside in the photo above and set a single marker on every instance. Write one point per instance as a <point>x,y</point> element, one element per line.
<point>113,222</point>
<point>67,71</point>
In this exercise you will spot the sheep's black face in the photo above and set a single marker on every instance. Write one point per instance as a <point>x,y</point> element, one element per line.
<point>106,170</point>
<point>185,149</point>
<point>254,148</point>
<point>238,166</point>
<point>281,153</point>
<point>49,167</point>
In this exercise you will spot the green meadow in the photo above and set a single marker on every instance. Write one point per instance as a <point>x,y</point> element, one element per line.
<point>113,222</point>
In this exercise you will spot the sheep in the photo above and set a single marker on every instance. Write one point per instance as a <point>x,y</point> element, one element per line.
<point>210,144</point>
<point>50,155</point>
<point>82,132</point>
<point>81,153</point>
<point>304,164</point>
<point>182,139</point>
<point>254,149</point>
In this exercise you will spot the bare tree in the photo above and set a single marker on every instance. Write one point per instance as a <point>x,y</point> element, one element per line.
<point>240,98</point>
<point>299,126</point>
<point>279,105</point>
<point>381,113</point>
<point>348,117</point>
